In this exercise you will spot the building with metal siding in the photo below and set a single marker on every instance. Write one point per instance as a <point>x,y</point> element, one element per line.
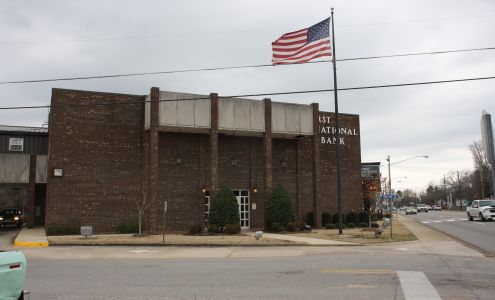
<point>23,167</point>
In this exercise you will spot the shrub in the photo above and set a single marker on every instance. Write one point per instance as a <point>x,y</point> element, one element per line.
<point>279,208</point>
<point>195,229</point>
<point>374,217</point>
<point>330,226</point>
<point>387,215</point>
<point>362,224</point>
<point>233,228</point>
<point>375,225</point>
<point>63,230</point>
<point>352,217</point>
<point>291,226</point>
<point>364,216</point>
<point>351,225</point>
<point>335,218</point>
<point>128,228</point>
<point>326,218</point>
<point>379,216</point>
<point>276,227</point>
<point>310,219</point>
<point>224,209</point>
<point>212,228</point>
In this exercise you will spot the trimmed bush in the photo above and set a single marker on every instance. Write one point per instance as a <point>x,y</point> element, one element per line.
<point>195,229</point>
<point>326,218</point>
<point>279,208</point>
<point>387,215</point>
<point>352,217</point>
<point>379,216</point>
<point>330,226</point>
<point>224,209</point>
<point>374,225</point>
<point>128,228</point>
<point>364,216</point>
<point>212,228</point>
<point>276,227</point>
<point>351,225</point>
<point>310,219</point>
<point>335,218</point>
<point>63,230</point>
<point>233,228</point>
<point>291,226</point>
<point>362,225</point>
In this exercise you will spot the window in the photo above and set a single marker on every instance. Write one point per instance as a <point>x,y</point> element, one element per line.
<point>16,144</point>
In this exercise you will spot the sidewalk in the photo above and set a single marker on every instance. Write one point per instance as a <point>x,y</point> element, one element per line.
<point>305,240</point>
<point>435,241</point>
<point>31,237</point>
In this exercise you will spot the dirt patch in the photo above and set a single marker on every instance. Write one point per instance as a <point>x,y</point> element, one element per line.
<point>170,239</point>
<point>357,235</point>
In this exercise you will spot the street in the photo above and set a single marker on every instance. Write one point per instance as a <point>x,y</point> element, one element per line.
<point>455,223</point>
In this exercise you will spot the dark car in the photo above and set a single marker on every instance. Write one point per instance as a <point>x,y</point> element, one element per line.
<point>12,217</point>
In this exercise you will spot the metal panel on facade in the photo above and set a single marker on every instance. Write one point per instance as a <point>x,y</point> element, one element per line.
<point>41,168</point>
<point>15,168</point>
<point>33,143</point>
<point>290,118</point>
<point>184,110</point>
<point>241,115</point>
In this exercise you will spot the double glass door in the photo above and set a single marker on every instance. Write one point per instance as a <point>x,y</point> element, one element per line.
<point>242,197</point>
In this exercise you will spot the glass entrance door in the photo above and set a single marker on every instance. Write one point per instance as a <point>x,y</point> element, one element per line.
<point>242,197</point>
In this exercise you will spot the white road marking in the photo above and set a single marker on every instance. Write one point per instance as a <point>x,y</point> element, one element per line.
<point>416,286</point>
<point>401,249</point>
<point>142,251</point>
<point>438,221</point>
<point>425,222</point>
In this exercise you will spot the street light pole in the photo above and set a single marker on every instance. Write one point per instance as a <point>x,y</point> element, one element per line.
<point>389,195</point>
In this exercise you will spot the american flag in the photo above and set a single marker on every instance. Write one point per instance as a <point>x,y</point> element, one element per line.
<point>303,45</point>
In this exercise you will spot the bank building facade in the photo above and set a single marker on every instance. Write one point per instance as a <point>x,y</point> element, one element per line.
<point>108,152</point>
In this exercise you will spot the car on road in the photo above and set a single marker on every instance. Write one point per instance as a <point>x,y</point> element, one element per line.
<point>481,209</point>
<point>422,207</point>
<point>411,210</point>
<point>437,207</point>
<point>12,275</point>
<point>11,217</point>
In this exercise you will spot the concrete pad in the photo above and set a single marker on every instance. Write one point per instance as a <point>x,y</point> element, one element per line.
<point>306,240</point>
<point>31,237</point>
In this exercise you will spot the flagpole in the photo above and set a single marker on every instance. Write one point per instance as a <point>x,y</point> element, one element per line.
<point>337,125</point>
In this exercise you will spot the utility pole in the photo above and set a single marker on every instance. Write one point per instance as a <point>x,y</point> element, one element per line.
<point>445,189</point>
<point>459,189</point>
<point>389,195</point>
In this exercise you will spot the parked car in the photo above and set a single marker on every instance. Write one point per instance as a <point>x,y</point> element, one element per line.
<point>12,274</point>
<point>422,207</point>
<point>437,207</point>
<point>11,216</point>
<point>481,209</point>
<point>429,207</point>
<point>411,210</point>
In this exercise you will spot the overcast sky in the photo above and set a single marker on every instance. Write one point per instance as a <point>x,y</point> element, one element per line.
<point>56,39</point>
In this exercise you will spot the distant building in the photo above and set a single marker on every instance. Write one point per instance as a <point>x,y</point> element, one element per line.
<point>109,150</point>
<point>23,170</point>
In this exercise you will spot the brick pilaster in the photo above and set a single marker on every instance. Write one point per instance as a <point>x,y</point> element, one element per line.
<point>316,165</point>
<point>213,145</point>
<point>31,191</point>
<point>153,190</point>
<point>267,154</point>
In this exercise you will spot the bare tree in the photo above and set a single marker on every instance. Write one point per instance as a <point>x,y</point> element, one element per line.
<point>482,175</point>
<point>143,204</point>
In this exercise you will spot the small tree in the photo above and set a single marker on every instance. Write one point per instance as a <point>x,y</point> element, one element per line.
<point>225,209</point>
<point>279,208</point>
<point>142,205</point>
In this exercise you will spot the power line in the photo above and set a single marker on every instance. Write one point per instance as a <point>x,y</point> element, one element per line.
<point>164,36</point>
<point>236,67</point>
<point>261,94</point>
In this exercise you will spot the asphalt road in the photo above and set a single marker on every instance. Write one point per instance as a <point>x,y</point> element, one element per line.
<point>7,236</point>
<point>340,273</point>
<point>455,223</point>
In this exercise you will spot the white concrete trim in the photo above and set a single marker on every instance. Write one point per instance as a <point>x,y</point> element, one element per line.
<point>416,286</point>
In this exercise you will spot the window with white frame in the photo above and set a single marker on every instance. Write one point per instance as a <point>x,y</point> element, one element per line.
<point>16,144</point>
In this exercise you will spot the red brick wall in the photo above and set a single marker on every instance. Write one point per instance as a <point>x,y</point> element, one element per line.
<point>99,149</point>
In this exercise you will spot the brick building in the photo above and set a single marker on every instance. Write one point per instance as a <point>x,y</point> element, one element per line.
<point>108,151</point>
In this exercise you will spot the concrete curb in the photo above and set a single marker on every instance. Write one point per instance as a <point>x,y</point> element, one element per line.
<point>197,245</point>
<point>32,238</point>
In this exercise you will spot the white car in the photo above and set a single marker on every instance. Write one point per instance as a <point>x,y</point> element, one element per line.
<point>437,207</point>
<point>422,207</point>
<point>482,210</point>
